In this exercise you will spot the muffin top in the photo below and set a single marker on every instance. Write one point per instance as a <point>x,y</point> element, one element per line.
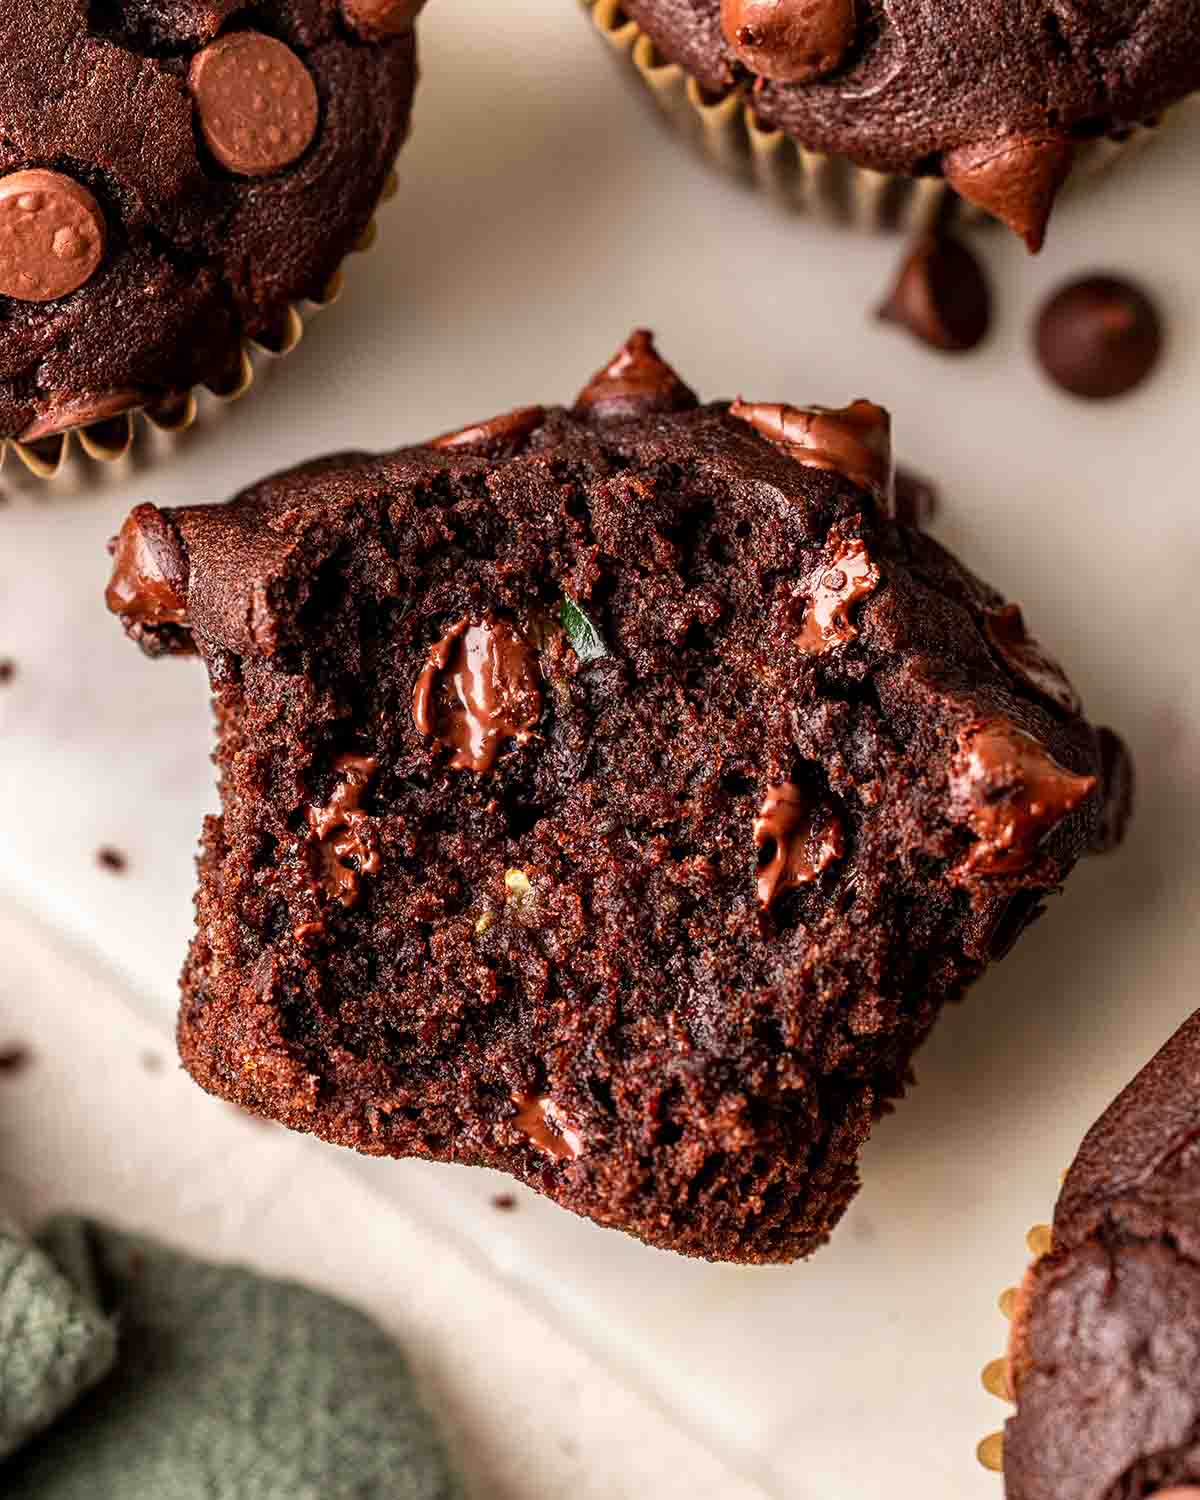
<point>1106,1337</point>
<point>994,94</point>
<point>174,174</point>
<point>612,794</point>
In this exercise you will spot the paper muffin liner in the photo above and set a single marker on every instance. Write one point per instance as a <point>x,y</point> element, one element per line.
<point>109,449</point>
<point>996,1375</point>
<point>726,130</point>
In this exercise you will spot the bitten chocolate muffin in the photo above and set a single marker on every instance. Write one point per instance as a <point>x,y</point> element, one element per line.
<point>995,95</point>
<point>1105,1353</point>
<point>174,175</point>
<point>612,795</point>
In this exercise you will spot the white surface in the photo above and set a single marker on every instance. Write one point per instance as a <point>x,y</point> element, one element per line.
<point>541,216</point>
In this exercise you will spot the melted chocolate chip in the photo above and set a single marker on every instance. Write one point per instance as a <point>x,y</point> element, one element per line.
<point>941,295</point>
<point>480,686</point>
<point>1016,179</point>
<point>537,1117</point>
<point>1012,793</point>
<point>1099,337</point>
<point>799,840</point>
<point>854,441</point>
<point>344,833</point>
<point>81,411</point>
<point>846,579</point>
<point>149,582</point>
<point>498,435</point>
<point>634,383</point>
<point>1117,780</point>
<point>1026,660</point>
<point>790,41</point>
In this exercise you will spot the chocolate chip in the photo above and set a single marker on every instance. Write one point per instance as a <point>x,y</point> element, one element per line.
<point>376,19</point>
<point>480,686</point>
<point>1117,780</point>
<point>790,41</point>
<point>634,383</point>
<point>345,837</point>
<point>941,295</point>
<point>52,235</point>
<point>81,411</point>
<point>149,583</point>
<point>854,441</point>
<point>1016,179</point>
<point>257,103</point>
<point>498,436</point>
<point>111,859</point>
<point>1099,337</point>
<point>14,1058</point>
<point>917,498</point>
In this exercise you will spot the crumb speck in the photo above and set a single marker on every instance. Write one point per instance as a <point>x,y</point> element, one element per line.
<point>8,670</point>
<point>152,1062</point>
<point>14,1058</point>
<point>112,859</point>
<point>504,1203</point>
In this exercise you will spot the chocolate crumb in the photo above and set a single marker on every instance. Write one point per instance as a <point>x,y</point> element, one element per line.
<point>504,1203</point>
<point>151,1062</point>
<point>112,859</point>
<point>8,670</point>
<point>14,1058</point>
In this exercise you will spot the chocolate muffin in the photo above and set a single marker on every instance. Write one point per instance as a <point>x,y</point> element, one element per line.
<point>1105,1352</point>
<point>612,795</point>
<point>996,96</point>
<point>176,175</point>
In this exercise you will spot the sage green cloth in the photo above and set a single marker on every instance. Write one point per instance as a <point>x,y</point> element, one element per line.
<point>54,1341</point>
<point>225,1385</point>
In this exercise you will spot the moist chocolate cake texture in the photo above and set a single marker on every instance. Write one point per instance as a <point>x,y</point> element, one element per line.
<point>1105,1352</point>
<point>174,176</point>
<point>995,95</point>
<point>612,795</point>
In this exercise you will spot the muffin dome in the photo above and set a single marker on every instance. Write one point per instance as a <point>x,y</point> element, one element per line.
<point>611,794</point>
<point>174,176</point>
<point>994,94</point>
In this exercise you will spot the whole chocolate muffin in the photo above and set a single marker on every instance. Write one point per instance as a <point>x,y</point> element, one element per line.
<point>995,95</point>
<point>175,175</point>
<point>1105,1351</point>
<point>612,795</point>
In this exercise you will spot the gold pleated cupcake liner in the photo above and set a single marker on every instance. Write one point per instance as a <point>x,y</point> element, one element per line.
<point>727,131</point>
<point>996,1376</point>
<point>81,455</point>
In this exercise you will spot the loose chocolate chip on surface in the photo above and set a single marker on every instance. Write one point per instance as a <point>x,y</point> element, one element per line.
<point>1099,337</point>
<point>941,295</point>
<point>790,41</point>
<point>52,235</point>
<point>257,103</point>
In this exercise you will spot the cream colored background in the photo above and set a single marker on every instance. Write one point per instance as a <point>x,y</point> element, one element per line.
<point>541,216</point>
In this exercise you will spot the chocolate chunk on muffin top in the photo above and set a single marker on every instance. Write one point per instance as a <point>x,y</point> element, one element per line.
<point>174,175</point>
<point>1105,1351</point>
<point>612,795</point>
<point>994,94</point>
